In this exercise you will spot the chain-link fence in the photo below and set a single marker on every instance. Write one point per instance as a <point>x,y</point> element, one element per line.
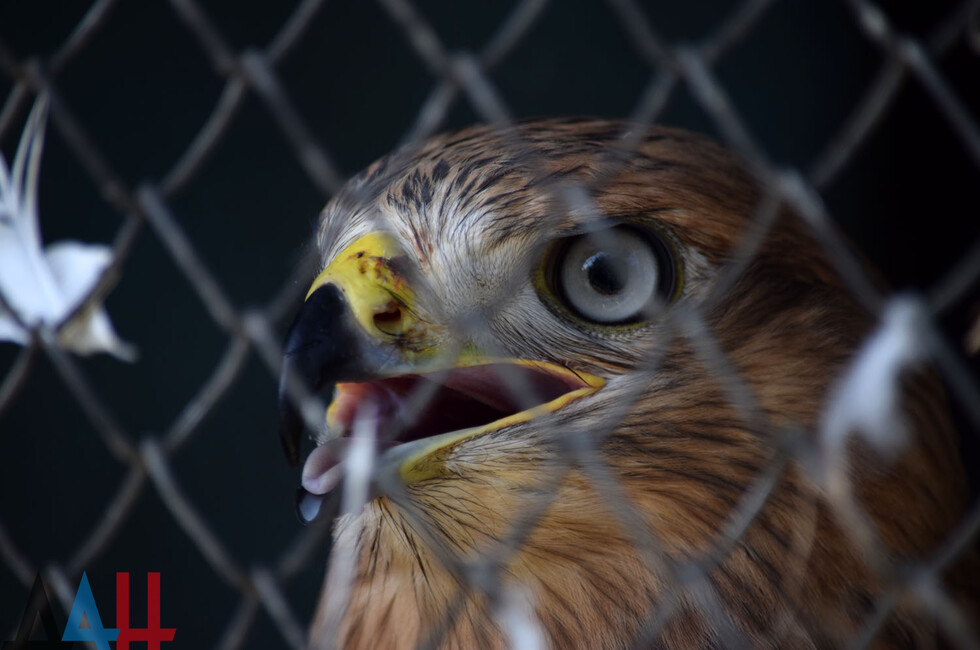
<point>203,159</point>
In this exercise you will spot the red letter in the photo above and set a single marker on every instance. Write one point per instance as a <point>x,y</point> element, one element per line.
<point>152,634</point>
<point>122,603</point>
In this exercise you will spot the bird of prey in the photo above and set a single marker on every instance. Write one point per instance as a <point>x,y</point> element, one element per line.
<point>591,412</point>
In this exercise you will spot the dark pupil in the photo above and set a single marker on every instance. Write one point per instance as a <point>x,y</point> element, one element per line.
<point>607,275</point>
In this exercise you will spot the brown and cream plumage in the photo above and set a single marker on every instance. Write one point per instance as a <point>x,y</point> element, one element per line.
<point>547,258</point>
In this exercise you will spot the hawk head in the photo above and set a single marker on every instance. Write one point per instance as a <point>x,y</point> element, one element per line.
<point>591,374</point>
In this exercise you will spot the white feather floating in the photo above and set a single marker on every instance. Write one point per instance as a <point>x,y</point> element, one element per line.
<point>867,399</point>
<point>43,287</point>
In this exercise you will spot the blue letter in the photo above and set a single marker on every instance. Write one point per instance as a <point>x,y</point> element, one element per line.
<point>84,605</point>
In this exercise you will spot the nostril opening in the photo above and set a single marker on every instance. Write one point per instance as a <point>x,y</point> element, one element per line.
<point>388,321</point>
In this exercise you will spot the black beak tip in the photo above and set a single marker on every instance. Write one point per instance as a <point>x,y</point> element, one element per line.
<point>319,348</point>
<point>308,506</point>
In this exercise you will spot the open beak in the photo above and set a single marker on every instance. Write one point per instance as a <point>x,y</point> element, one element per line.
<point>357,332</point>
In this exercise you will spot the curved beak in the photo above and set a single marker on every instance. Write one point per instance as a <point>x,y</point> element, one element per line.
<point>355,323</point>
<point>321,349</point>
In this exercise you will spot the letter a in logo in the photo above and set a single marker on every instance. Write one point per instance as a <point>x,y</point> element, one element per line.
<point>84,606</point>
<point>38,606</point>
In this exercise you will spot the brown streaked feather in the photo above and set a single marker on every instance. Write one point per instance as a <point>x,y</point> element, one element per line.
<point>474,205</point>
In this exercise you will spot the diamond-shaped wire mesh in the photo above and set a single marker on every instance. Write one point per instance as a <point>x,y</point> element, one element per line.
<point>201,139</point>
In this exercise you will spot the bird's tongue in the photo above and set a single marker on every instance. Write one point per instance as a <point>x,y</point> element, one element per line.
<point>387,401</point>
<point>322,470</point>
<point>322,473</point>
<point>453,400</point>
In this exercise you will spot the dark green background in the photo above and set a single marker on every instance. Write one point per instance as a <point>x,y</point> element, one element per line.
<point>144,86</point>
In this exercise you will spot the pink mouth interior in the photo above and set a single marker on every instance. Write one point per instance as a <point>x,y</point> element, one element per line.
<point>412,407</point>
<point>451,400</point>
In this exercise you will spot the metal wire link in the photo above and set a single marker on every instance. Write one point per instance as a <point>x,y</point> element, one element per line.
<point>147,211</point>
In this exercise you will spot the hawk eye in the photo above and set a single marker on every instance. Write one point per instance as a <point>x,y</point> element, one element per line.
<point>613,276</point>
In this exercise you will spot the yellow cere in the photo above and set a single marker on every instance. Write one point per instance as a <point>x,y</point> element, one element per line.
<point>378,296</point>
